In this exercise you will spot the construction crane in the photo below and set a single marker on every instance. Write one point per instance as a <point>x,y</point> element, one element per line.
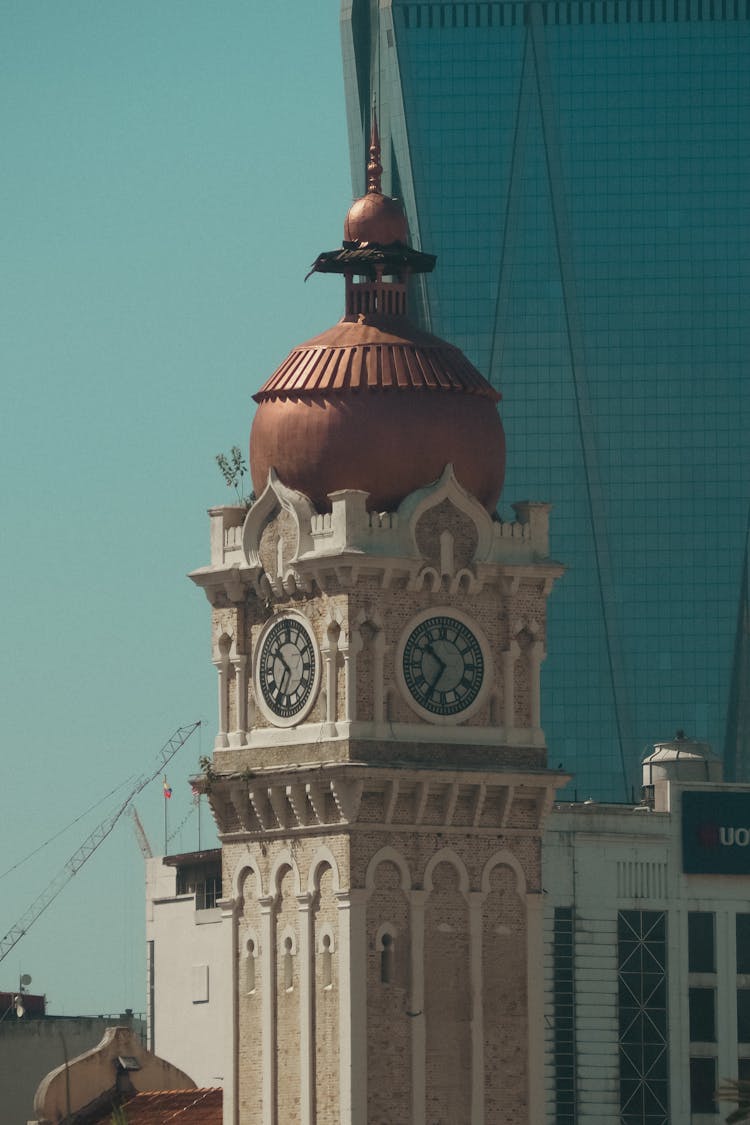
<point>140,832</point>
<point>92,842</point>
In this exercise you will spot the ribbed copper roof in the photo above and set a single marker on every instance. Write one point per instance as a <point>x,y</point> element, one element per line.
<point>376,354</point>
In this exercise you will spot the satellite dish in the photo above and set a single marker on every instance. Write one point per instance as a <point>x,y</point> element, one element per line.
<point>25,980</point>
<point>20,1010</point>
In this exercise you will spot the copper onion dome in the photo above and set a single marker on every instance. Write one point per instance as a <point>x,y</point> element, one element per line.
<point>375,403</point>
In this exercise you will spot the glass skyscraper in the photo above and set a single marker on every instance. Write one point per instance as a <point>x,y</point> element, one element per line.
<point>582,171</point>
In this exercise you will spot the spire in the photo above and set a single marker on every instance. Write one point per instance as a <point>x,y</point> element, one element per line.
<point>376,247</point>
<point>374,167</point>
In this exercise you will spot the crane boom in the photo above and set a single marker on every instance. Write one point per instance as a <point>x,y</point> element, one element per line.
<point>92,842</point>
<point>140,831</point>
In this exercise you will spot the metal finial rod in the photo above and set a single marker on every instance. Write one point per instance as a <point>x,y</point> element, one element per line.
<point>374,167</point>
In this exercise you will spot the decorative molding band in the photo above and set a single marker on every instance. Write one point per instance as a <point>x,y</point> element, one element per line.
<point>230,585</point>
<point>388,800</point>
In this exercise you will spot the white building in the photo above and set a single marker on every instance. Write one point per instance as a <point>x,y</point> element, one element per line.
<point>188,978</point>
<point>647,948</point>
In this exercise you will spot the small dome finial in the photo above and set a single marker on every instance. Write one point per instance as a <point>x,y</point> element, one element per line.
<point>374,167</point>
<point>375,219</point>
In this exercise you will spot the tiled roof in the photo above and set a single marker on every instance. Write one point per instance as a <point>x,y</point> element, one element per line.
<point>196,1107</point>
<point>172,1107</point>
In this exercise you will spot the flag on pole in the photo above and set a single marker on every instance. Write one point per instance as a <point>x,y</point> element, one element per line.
<point>167,789</point>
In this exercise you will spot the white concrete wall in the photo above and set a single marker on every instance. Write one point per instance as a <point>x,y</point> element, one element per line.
<point>192,980</point>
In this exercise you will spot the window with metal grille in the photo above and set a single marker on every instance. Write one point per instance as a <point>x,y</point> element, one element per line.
<point>564,1016</point>
<point>642,1017</point>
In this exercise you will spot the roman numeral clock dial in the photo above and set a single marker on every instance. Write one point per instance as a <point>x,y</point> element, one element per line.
<point>287,671</point>
<point>442,665</point>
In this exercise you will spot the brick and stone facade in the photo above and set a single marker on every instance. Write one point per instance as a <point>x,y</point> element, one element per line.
<point>381,865</point>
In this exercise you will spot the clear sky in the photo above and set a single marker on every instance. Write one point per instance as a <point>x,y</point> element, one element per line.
<point>170,168</point>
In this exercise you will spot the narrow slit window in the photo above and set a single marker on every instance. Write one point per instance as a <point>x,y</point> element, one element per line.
<point>327,962</point>
<point>250,967</point>
<point>288,965</point>
<point>387,954</point>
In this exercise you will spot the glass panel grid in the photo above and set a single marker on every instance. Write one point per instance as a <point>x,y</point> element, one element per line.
<point>581,177</point>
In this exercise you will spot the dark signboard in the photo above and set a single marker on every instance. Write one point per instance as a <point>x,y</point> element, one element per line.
<point>715,833</point>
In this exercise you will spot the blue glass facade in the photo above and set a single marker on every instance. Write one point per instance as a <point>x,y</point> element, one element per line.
<point>582,171</point>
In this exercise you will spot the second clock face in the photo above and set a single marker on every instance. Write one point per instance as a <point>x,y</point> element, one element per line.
<point>287,670</point>
<point>443,666</point>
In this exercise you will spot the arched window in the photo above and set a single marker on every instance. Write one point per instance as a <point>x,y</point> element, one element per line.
<point>386,947</point>
<point>325,949</point>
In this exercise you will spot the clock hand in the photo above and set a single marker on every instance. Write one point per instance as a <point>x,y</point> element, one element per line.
<point>435,656</point>
<point>287,672</point>
<point>441,669</point>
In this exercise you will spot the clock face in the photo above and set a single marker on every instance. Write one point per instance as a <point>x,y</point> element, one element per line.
<point>287,671</point>
<point>443,666</point>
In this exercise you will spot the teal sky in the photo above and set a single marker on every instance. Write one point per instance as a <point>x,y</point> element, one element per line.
<point>170,169</point>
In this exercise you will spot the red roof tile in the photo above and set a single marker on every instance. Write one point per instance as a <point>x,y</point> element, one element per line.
<point>198,1107</point>
<point>172,1107</point>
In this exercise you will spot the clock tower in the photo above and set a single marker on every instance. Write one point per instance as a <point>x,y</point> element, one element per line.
<point>379,778</point>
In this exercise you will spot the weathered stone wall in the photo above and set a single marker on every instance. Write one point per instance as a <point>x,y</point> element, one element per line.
<point>405,876</point>
<point>251,988</point>
<point>504,999</point>
<point>297,880</point>
<point>288,986</point>
<point>447,1000</point>
<point>389,1078</point>
<point>327,984</point>
<point>445,877</point>
<point>445,516</point>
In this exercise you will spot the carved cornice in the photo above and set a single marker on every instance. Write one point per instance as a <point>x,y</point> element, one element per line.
<point>231,585</point>
<point>352,798</point>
